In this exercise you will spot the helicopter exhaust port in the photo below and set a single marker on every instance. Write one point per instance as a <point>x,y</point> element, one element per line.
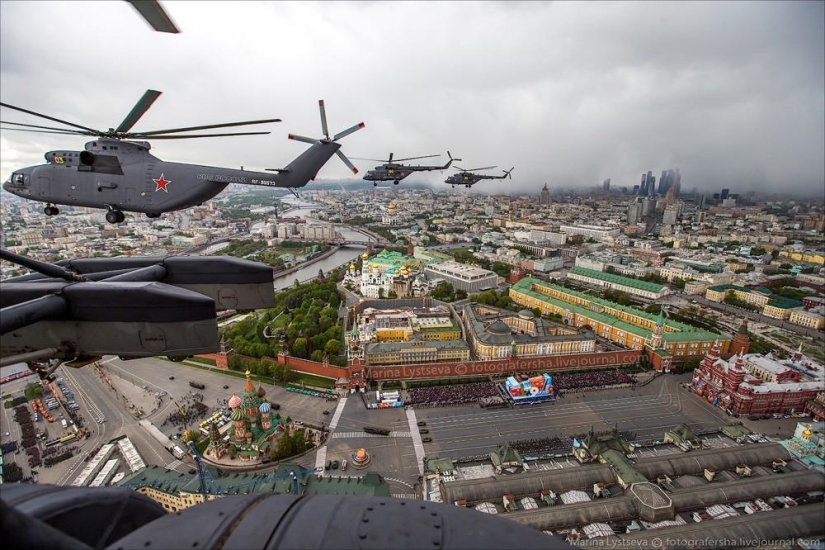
<point>87,158</point>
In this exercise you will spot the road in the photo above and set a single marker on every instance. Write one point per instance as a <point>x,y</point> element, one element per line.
<point>684,301</point>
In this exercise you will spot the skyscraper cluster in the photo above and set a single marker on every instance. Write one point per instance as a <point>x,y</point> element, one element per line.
<point>669,184</point>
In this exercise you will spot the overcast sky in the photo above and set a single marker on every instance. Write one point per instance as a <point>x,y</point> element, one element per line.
<point>570,93</point>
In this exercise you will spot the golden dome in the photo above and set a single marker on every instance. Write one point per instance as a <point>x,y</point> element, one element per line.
<point>352,267</point>
<point>808,432</point>
<point>391,206</point>
<point>365,256</point>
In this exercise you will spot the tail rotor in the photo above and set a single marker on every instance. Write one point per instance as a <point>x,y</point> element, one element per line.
<point>327,139</point>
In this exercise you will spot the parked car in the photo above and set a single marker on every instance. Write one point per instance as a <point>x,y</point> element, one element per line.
<point>425,431</point>
<point>335,464</point>
<point>422,423</point>
<point>326,412</point>
<point>427,439</point>
<point>329,465</point>
<point>226,386</point>
<point>171,378</point>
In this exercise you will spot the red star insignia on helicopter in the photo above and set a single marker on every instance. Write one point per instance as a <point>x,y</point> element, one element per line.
<point>161,183</point>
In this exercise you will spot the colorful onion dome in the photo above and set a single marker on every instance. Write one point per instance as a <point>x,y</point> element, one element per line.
<point>234,401</point>
<point>264,408</point>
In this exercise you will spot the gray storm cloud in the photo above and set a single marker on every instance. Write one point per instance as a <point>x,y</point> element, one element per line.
<point>569,93</point>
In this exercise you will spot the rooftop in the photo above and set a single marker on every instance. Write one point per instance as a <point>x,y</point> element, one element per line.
<point>617,279</point>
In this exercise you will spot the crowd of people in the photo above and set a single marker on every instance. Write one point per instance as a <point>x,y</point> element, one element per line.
<point>577,381</point>
<point>542,445</point>
<point>193,408</point>
<point>457,394</point>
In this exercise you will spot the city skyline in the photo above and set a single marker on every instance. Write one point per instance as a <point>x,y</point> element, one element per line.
<point>739,109</point>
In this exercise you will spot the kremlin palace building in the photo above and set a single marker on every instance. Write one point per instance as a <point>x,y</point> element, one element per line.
<point>627,326</point>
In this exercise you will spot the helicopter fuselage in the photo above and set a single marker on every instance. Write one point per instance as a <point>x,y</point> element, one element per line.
<point>123,175</point>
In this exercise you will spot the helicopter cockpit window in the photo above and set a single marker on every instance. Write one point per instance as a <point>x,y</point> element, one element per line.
<point>18,179</point>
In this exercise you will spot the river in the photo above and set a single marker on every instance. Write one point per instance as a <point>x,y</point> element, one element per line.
<point>343,255</point>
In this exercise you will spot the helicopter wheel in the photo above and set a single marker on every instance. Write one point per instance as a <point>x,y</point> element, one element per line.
<point>375,184</point>
<point>453,186</point>
<point>51,210</point>
<point>114,216</point>
<point>395,182</point>
<point>152,215</point>
<point>121,217</point>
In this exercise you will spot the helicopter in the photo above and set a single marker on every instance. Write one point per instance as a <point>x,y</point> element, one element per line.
<point>468,178</point>
<point>395,172</point>
<point>117,172</point>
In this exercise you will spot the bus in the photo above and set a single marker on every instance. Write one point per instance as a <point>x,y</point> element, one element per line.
<point>199,385</point>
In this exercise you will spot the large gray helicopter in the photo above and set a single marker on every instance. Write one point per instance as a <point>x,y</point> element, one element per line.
<point>468,178</point>
<point>395,172</point>
<point>120,175</point>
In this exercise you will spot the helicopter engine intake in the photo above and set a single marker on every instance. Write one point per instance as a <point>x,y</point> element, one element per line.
<point>87,158</point>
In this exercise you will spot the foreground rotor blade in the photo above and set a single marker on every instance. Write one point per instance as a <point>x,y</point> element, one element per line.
<point>414,158</point>
<point>484,168</point>
<point>373,160</point>
<point>137,111</point>
<point>323,118</point>
<point>205,127</point>
<point>61,130</point>
<point>348,131</point>
<point>155,15</point>
<point>302,138</point>
<point>390,159</point>
<point>192,136</point>
<point>95,132</point>
<point>346,161</point>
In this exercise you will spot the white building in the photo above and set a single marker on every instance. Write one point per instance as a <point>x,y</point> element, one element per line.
<point>463,277</point>
<point>596,232</point>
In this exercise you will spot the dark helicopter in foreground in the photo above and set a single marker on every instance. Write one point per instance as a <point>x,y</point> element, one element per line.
<point>468,178</point>
<point>119,174</point>
<point>394,171</point>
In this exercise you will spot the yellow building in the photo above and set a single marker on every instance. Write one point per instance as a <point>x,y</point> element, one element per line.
<point>630,327</point>
<point>810,319</point>
<point>496,333</point>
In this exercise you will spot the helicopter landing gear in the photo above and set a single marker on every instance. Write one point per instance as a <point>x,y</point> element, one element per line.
<point>395,182</point>
<point>468,187</point>
<point>115,216</point>
<point>51,210</point>
<point>375,184</point>
<point>453,186</point>
<point>152,215</point>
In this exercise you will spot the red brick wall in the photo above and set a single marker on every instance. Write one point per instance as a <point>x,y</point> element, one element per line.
<point>487,368</point>
<point>221,360</point>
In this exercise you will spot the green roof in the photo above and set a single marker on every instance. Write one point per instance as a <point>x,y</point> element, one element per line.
<point>172,482</point>
<point>680,332</point>
<point>617,279</point>
<point>622,466</point>
<point>774,300</point>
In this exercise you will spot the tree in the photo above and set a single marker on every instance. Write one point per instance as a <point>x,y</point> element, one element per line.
<point>381,293</point>
<point>333,347</point>
<point>655,309</point>
<point>299,347</point>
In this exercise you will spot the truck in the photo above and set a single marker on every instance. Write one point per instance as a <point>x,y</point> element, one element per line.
<point>64,423</point>
<point>177,451</point>
<point>199,385</point>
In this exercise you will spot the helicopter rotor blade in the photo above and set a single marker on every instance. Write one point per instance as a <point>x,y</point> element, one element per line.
<point>205,127</point>
<point>390,159</point>
<point>53,119</point>
<point>323,118</point>
<point>414,158</point>
<point>373,160</point>
<point>139,109</point>
<point>484,168</point>
<point>193,136</point>
<point>348,131</point>
<point>61,130</point>
<point>344,158</point>
<point>302,138</point>
<point>155,15</point>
